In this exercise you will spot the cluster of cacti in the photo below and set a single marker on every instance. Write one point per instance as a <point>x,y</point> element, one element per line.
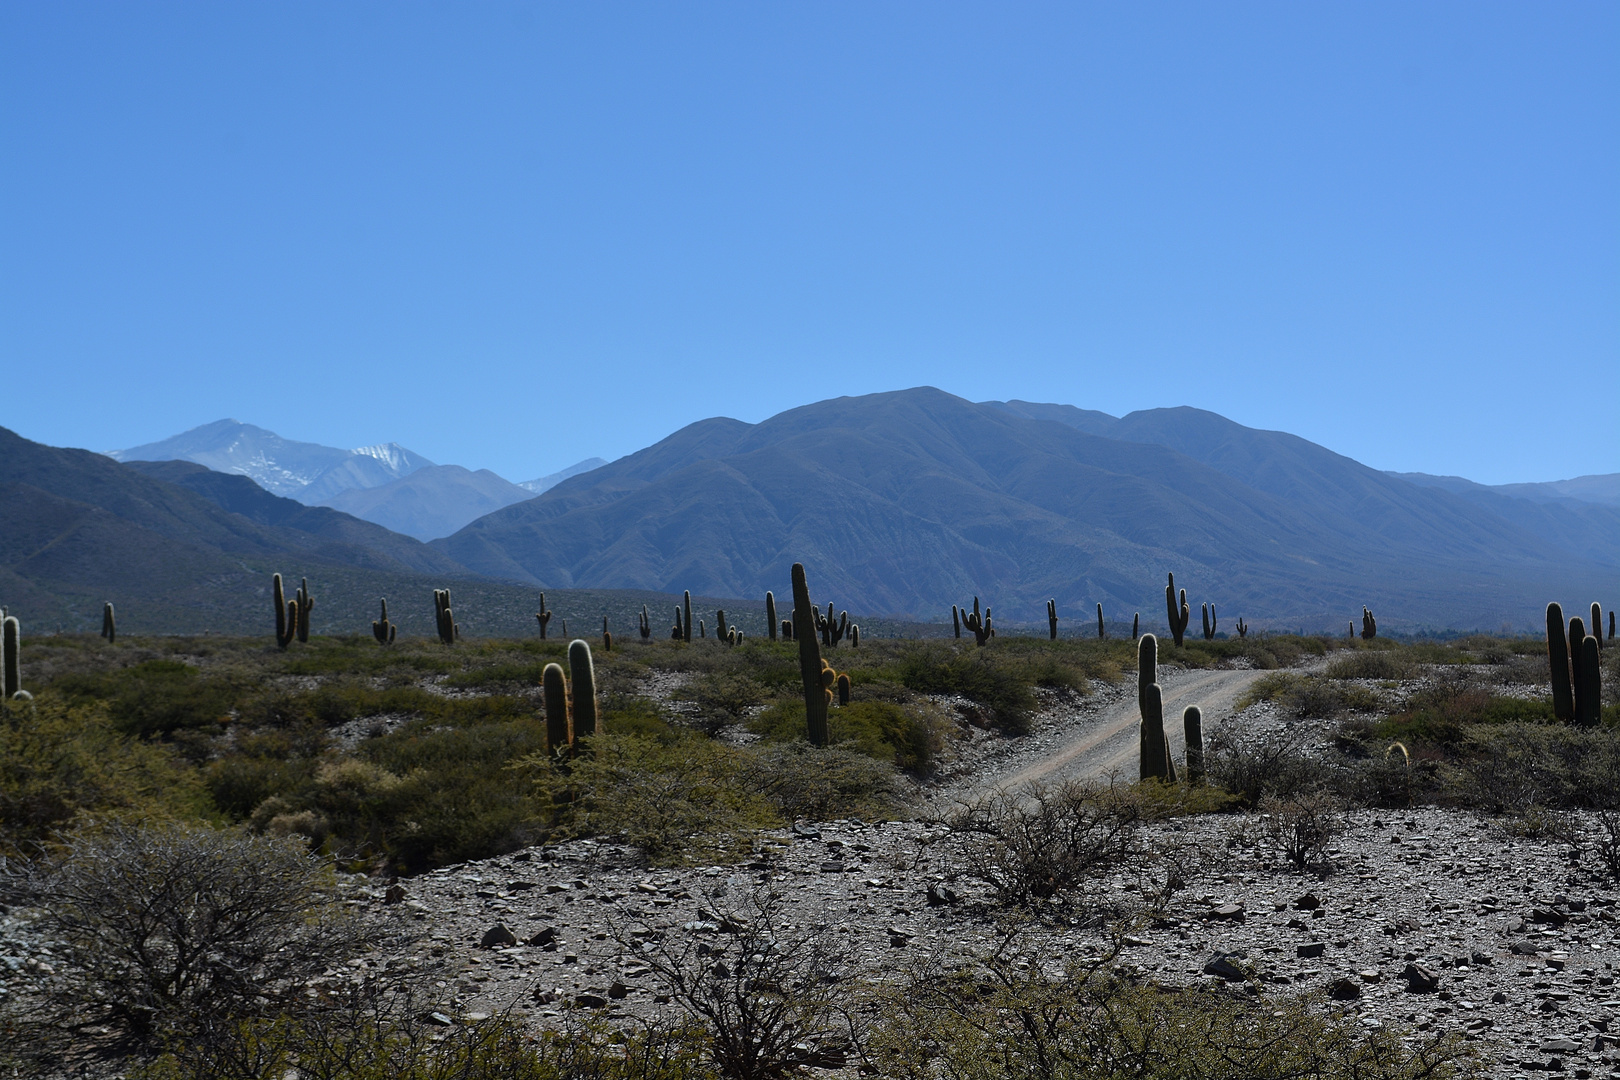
<point>832,630</point>
<point>1241,627</point>
<point>10,657</point>
<point>810,665</point>
<point>982,628</point>
<point>109,625</point>
<point>1179,616</point>
<point>382,629</point>
<point>1576,668</point>
<point>292,616</point>
<point>1208,611</point>
<point>770,614</point>
<point>1369,625</point>
<point>1051,619</point>
<point>1153,747</point>
<point>444,617</point>
<point>607,636</point>
<point>543,617</point>
<point>645,624</point>
<point>570,700</point>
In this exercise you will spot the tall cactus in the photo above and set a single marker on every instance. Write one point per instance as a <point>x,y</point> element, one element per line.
<point>444,617</point>
<point>720,624</point>
<point>677,632</point>
<point>770,613</point>
<point>1102,631</point>
<point>980,626</point>
<point>1208,611</point>
<point>645,624</point>
<point>607,637</point>
<point>956,621</point>
<point>1589,684</point>
<point>554,689</point>
<point>1369,625</point>
<point>1178,616</point>
<point>382,629</point>
<point>1192,724</point>
<point>1241,627</point>
<point>854,636</point>
<point>843,688</point>
<point>1136,626</point>
<point>543,616</point>
<point>10,657</point>
<point>1597,623</point>
<point>109,624</point>
<point>306,604</point>
<point>804,629</point>
<point>582,686</point>
<point>1558,663</point>
<point>1153,747</point>
<point>686,617</point>
<point>1051,619</point>
<point>286,613</point>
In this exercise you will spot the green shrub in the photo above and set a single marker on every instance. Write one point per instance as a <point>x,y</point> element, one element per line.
<point>686,799</point>
<point>878,729</point>
<point>1373,664</point>
<point>61,760</point>
<point>721,698</point>
<point>157,697</point>
<point>823,783</point>
<point>996,687</point>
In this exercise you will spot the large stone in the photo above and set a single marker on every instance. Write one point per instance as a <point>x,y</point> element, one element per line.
<point>1311,951</point>
<point>1226,913</point>
<point>1344,990</point>
<point>497,935</point>
<point>1227,966</point>
<point>1419,979</point>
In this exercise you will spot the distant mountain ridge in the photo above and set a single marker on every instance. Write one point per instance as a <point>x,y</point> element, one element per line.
<point>301,470</point>
<point>903,503</point>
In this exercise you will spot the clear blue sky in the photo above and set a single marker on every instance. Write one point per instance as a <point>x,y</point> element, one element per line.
<point>515,235</point>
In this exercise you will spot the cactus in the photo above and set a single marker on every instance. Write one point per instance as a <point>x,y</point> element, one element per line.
<point>10,657</point>
<point>1589,684</point>
<point>109,625</point>
<point>1369,625</point>
<point>286,613</point>
<point>1178,617</point>
<point>1153,747</point>
<point>1136,626</point>
<point>702,630</point>
<point>382,629</point>
<point>843,689</point>
<point>1611,624</point>
<point>956,621</point>
<point>306,604</point>
<point>804,629</point>
<point>832,630</point>
<point>1558,663</point>
<point>1597,623</point>
<point>677,632</point>
<point>607,637</point>
<point>1051,619</point>
<point>787,629</point>
<point>980,626</point>
<point>1577,635</point>
<point>582,685</point>
<point>1207,611</point>
<point>444,617</point>
<point>854,636</point>
<point>686,618</point>
<point>1102,631</point>
<point>645,624</point>
<point>554,688</point>
<point>720,625</point>
<point>543,617</point>
<point>1241,627</point>
<point>770,614</point>
<point>1192,723</point>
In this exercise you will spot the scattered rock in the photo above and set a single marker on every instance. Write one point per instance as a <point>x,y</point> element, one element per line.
<point>1226,966</point>
<point>1344,990</point>
<point>497,935</point>
<point>1308,902</point>
<point>1419,979</point>
<point>1311,951</point>
<point>395,894</point>
<point>1226,913</point>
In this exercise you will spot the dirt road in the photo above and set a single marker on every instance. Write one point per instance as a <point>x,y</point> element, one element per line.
<point>1105,741</point>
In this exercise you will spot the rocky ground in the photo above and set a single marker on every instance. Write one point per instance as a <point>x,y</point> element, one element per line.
<point>1426,919</point>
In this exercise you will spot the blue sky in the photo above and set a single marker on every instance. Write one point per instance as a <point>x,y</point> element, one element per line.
<point>515,235</point>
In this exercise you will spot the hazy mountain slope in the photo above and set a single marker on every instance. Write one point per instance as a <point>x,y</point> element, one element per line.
<point>82,528</point>
<point>1602,489</point>
<point>325,526</point>
<point>551,480</point>
<point>431,502</point>
<point>306,471</point>
<point>910,501</point>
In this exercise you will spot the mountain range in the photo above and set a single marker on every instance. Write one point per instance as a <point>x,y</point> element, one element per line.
<point>385,484</point>
<point>899,504</point>
<point>910,501</point>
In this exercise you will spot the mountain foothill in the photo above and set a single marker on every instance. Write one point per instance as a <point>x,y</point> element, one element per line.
<point>899,504</point>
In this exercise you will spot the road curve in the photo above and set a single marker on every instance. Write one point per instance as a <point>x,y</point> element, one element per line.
<point>1106,742</point>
